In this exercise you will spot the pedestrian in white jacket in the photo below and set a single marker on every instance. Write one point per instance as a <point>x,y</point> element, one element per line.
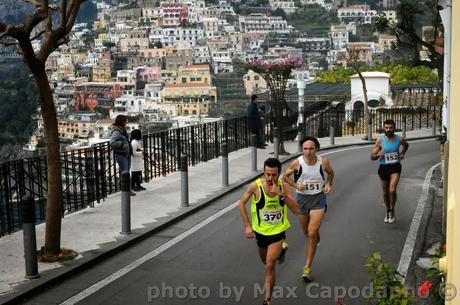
<point>137,160</point>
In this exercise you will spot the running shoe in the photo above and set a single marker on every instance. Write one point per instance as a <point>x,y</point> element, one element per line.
<point>283,253</point>
<point>387,217</point>
<point>266,302</point>
<point>306,275</point>
<point>391,217</point>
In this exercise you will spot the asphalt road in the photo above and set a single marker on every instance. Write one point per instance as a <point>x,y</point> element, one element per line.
<point>218,265</point>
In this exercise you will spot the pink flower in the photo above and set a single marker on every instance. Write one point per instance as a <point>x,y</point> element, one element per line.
<point>424,289</point>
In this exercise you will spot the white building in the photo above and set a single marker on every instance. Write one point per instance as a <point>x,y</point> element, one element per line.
<point>225,8</point>
<point>357,14</point>
<point>287,6</point>
<point>378,90</point>
<point>210,24</point>
<point>92,58</point>
<point>339,36</point>
<point>254,83</point>
<point>103,129</point>
<point>175,36</point>
<point>127,105</point>
<point>262,23</point>
<point>201,54</point>
<point>152,92</point>
<point>222,65</point>
<point>390,15</point>
<point>126,77</point>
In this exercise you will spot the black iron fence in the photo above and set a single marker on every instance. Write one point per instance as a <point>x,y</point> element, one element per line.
<point>89,175</point>
<point>352,122</point>
<point>200,143</point>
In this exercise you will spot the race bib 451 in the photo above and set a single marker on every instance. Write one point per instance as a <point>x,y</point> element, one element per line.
<point>312,185</point>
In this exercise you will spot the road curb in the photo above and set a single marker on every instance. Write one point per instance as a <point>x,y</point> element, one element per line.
<point>70,268</point>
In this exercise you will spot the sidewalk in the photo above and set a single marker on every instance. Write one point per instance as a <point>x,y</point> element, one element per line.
<point>94,232</point>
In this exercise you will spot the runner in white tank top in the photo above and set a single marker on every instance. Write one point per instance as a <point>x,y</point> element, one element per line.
<point>313,176</point>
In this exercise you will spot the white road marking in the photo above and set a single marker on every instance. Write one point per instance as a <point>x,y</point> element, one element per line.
<point>113,277</point>
<point>406,255</point>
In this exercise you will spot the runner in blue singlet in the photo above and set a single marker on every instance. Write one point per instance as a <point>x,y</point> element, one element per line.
<point>386,150</point>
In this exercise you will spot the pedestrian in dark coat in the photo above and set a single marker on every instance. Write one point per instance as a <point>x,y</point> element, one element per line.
<point>254,122</point>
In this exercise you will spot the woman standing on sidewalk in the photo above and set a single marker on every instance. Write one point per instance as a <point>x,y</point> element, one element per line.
<point>119,142</point>
<point>137,160</point>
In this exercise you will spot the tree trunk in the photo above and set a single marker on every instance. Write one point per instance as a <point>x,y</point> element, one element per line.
<point>279,112</point>
<point>54,202</point>
<point>366,107</point>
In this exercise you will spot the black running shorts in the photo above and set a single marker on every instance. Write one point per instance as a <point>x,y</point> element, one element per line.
<point>386,170</point>
<point>263,241</point>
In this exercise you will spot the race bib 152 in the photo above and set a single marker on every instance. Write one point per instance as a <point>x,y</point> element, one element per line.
<point>391,157</point>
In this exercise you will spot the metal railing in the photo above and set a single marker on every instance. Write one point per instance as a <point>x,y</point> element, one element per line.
<point>352,122</point>
<point>89,175</point>
<point>200,143</point>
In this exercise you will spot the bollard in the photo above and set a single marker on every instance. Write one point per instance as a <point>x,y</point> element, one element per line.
<point>125,203</point>
<point>433,124</point>
<point>224,164</point>
<point>30,240</point>
<point>254,152</point>
<point>332,134</point>
<point>276,142</point>
<point>301,135</point>
<point>184,181</point>
<point>404,127</point>
<point>369,132</point>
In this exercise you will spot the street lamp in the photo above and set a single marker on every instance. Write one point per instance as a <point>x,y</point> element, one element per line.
<point>301,84</point>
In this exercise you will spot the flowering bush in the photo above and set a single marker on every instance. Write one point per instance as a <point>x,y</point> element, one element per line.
<point>278,68</point>
<point>435,279</point>
<point>424,289</point>
<point>275,73</point>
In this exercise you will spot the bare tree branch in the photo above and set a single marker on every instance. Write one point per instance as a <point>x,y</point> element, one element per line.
<point>75,7</point>
<point>34,19</point>
<point>6,29</point>
<point>64,13</point>
<point>35,3</point>
<point>38,4</point>
<point>8,42</point>
<point>38,35</point>
<point>3,34</point>
<point>3,27</point>
<point>49,22</point>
